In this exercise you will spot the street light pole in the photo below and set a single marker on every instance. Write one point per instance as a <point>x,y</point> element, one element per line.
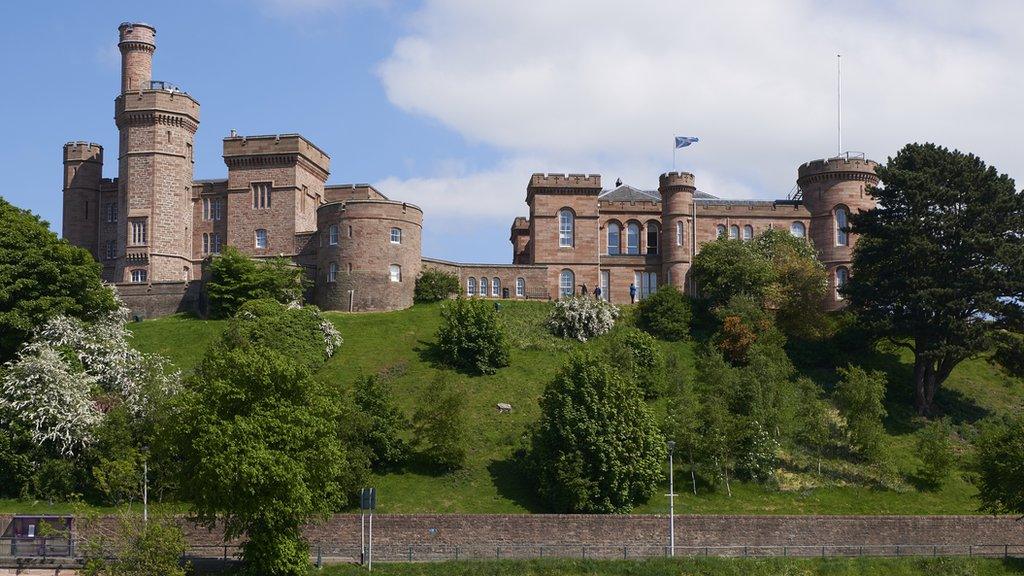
<point>671,502</point>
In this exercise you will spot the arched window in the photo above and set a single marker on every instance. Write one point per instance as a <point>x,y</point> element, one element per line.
<point>566,283</point>
<point>396,273</point>
<point>632,238</point>
<point>842,221</point>
<point>332,272</point>
<point>748,232</point>
<point>653,235</point>
<point>471,286</point>
<point>679,232</point>
<point>614,236</point>
<point>721,230</point>
<point>734,232</point>
<point>495,287</point>
<point>396,235</point>
<point>206,243</point>
<point>332,235</point>
<point>485,286</point>
<point>138,276</point>
<point>565,228</point>
<point>520,287</point>
<point>798,229</point>
<point>842,277</point>
<point>261,238</point>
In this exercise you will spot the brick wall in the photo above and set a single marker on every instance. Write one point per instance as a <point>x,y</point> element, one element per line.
<point>534,277</point>
<point>161,298</point>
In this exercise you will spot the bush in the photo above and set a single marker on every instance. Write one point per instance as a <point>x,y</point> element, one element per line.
<point>439,427</point>
<point>725,268</point>
<point>1009,353</point>
<point>235,279</point>
<point>153,548</point>
<point>758,454</point>
<point>596,448</point>
<point>1000,466</point>
<point>637,353</point>
<point>665,314</point>
<point>435,285</point>
<point>935,449</point>
<point>859,395</point>
<point>386,423</point>
<point>301,333</point>
<point>743,321</point>
<point>582,317</point>
<point>471,338</point>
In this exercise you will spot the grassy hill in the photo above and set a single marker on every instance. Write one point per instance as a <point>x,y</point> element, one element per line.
<point>399,343</point>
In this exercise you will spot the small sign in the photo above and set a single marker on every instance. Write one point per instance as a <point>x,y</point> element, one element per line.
<point>368,499</point>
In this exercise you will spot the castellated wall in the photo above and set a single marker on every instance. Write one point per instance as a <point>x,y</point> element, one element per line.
<point>535,278</point>
<point>364,254</point>
<point>546,195</point>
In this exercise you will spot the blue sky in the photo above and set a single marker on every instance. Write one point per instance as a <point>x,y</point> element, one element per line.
<point>452,104</point>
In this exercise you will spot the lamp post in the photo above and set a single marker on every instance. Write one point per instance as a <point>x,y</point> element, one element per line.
<point>671,502</point>
<point>145,484</point>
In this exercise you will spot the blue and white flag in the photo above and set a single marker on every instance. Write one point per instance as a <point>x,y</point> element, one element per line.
<point>684,141</point>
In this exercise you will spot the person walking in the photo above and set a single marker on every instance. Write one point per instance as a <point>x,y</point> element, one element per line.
<point>597,292</point>
<point>632,293</point>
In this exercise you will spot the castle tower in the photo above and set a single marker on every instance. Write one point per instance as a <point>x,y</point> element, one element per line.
<point>83,169</point>
<point>157,124</point>
<point>832,190</point>
<point>676,189</point>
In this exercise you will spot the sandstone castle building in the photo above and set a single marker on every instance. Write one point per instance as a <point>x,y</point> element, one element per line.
<point>154,228</point>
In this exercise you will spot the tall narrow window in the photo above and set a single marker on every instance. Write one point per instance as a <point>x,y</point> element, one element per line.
<point>842,277</point>
<point>798,229</point>
<point>495,287</point>
<point>606,285</point>
<point>614,235</point>
<point>485,286</point>
<point>206,209</point>
<point>520,287</point>
<point>215,243</point>
<point>396,273</point>
<point>653,235</point>
<point>261,195</point>
<point>471,286</point>
<point>261,238</point>
<point>632,238</point>
<point>111,249</point>
<point>206,243</point>
<point>566,283</point>
<point>138,276</point>
<point>396,235</point>
<point>565,228</point>
<point>350,231</point>
<point>218,209</point>
<point>842,221</point>
<point>139,232</point>
<point>748,232</point>
<point>332,235</point>
<point>112,212</point>
<point>188,152</point>
<point>332,272</point>
<point>679,233</point>
<point>734,232</point>
<point>646,283</point>
<point>720,231</point>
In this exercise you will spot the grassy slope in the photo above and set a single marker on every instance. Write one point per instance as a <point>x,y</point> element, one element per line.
<point>400,343</point>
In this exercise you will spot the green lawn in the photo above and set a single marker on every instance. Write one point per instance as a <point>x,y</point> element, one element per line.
<point>400,344</point>
<point>703,566</point>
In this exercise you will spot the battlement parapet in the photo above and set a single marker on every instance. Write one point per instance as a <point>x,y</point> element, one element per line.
<point>676,179</point>
<point>156,101</point>
<point>80,151</point>
<point>136,35</point>
<point>853,165</point>
<point>273,145</point>
<point>583,181</point>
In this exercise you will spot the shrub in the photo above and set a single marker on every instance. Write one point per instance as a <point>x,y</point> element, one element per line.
<point>301,333</point>
<point>637,353</point>
<point>471,338</point>
<point>1009,353</point>
<point>859,396</point>
<point>758,454</point>
<point>439,427</point>
<point>743,321</point>
<point>596,447</point>
<point>1000,466</point>
<point>724,268</point>
<point>435,285</point>
<point>582,317</point>
<point>386,423</point>
<point>935,449</point>
<point>665,314</point>
<point>235,279</point>
<point>152,548</point>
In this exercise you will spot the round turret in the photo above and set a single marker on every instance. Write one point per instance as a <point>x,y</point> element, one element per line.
<point>832,190</point>
<point>676,189</point>
<point>83,170</point>
<point>137,42</point>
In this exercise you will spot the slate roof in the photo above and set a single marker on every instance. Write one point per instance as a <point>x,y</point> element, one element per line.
<point>627,193</point>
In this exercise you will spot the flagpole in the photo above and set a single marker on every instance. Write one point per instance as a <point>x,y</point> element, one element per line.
<point>839,105</point>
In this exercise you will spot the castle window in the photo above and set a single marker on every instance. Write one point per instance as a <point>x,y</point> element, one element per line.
<point>111,210</point>
<point>349,267</point>
<point>647,282</point>
<point>350,231</point>
<point>332,235</point>
<point>566,283</point>
<point>206,243</point>
<point>260,195</point>
<point>653,234</point>
<point>679,233</point>
<point>138,232</point>
<point>218,209</point>
<point>798,229</point>
<point>215,243</point>
<point>614,236</point>
<point>332,272</point>
<point>720,231</point>
<point>632,238</point>
<point>396,235</point>
<point>261,238</point>
<point>188,150</point>
<point>748,232</point>
<point>520,287</point>
<point>842,277</point>
<point>734,232</point>
<point>396,273</point>
<point>496,287</point>
<point>842,223</point>
<point>471,287</point>
<point>565,228</point>
<point>206,208</point>
<point>138,276</point>
<point>485,286</point>
<point>86,215</point>
<point>111,249</point>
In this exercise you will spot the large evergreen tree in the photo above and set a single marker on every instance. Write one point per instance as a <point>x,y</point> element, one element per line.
<point>939,266</point>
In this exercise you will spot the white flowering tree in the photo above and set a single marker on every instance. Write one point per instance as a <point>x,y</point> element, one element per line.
<point>64,381</point>
<point>582,317</point>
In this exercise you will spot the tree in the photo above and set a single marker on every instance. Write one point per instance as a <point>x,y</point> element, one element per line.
<point>301,333</point>
<point>813,426</point>
<point>725,268</point>
<point>596,447</point>
<point>665,314</point>
<point>152,548</point>
<point>743,322</point>
<point>683,419</point>
<point>435,285</point>
<point>801,282</point>
<point>936,452</point>
<point>439,426</point>
<point>1000,466</point>
<point>471,337</point>
<point>636,353</point>
<point>42,277</point>
<point>375,400</point>
<point>859,395</point>
<point>235,279</point>
<point>939,266</point>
